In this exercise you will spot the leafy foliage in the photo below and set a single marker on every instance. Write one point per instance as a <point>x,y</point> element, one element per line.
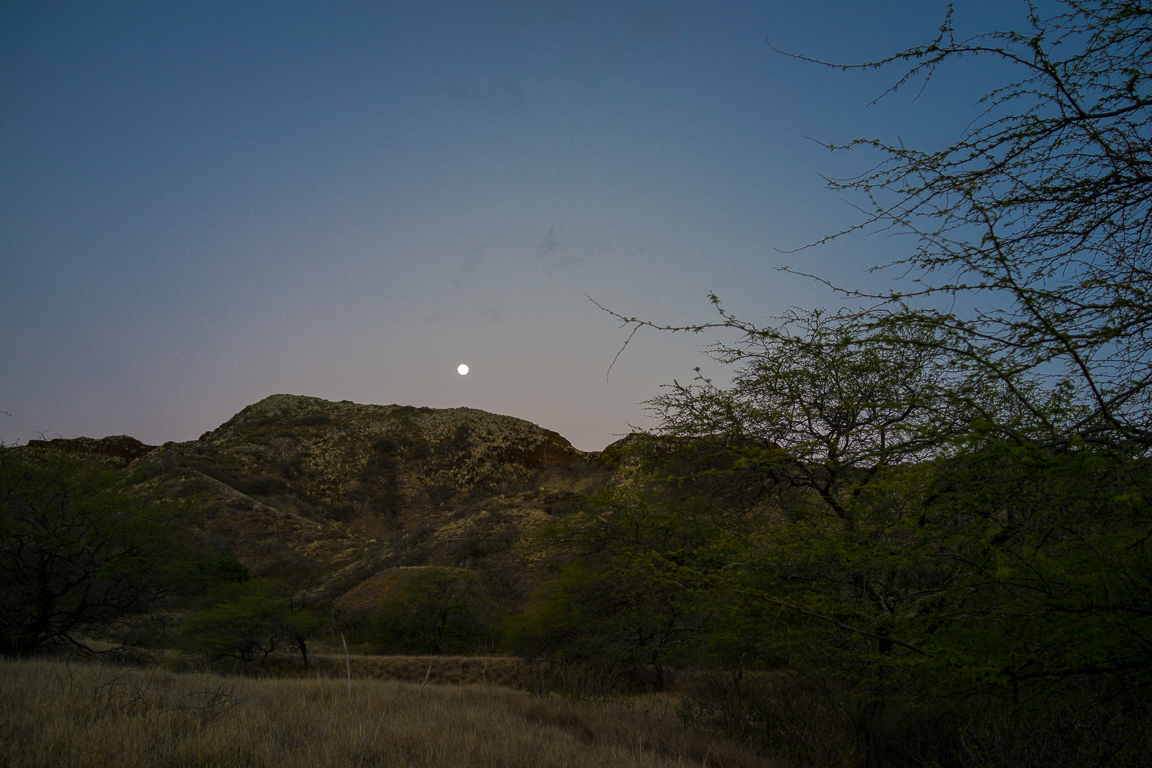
<point>954,478</point>
<point>1038,214</point>
<point>619,602</point>
<point>435,609</point>
<point>78,553</point>
<point>250,617</point>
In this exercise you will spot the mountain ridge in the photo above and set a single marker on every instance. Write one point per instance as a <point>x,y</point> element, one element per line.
<point>350,492</point>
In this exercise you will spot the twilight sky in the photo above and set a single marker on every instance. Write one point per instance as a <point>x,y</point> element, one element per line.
<point>202,204</point>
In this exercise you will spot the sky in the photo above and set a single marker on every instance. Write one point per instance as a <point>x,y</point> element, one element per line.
<point>203,204</point>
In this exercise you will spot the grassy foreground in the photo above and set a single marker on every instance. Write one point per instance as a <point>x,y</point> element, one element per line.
<point>53,713</point>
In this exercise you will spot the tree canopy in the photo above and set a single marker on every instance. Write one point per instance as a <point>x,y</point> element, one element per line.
<point>955,472</point>
<point>79,553</point>
<point>1038,214</point>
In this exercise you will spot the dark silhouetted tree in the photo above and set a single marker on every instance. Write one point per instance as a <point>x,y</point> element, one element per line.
<point>77,552</point>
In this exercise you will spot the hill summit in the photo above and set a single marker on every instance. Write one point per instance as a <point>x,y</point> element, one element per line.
<point>352,492</point>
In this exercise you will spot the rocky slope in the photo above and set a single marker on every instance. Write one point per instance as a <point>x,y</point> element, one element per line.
<point>350,493</point>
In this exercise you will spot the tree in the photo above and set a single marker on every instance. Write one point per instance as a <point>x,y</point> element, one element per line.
<point>816,404</point>
<point>977,514</point>
<point>1038,214</point>
<point>436,609</point>
<point>618,602</point>
<point>77,552</point>
<point>250,617</point>
<point>903,547</point>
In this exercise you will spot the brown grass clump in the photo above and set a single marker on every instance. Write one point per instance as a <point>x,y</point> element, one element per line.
<point>52,714</point>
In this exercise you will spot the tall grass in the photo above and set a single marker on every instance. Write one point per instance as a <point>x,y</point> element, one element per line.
<point>92,716</point>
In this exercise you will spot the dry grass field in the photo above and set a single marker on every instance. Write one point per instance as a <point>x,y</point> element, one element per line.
<point>507,671</point>
<point>93,716</point>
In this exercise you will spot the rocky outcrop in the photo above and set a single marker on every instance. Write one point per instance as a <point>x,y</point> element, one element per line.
<point>120,449</point>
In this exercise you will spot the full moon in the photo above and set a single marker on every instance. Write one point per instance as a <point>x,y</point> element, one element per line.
<point>462,370</point>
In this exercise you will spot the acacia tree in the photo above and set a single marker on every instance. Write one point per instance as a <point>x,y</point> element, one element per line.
<point>436,609</point>
<point>1038,214</point>
<point>816,404</point>
<point>251,617</point>
<point>1005,490</point>
<point>1039,217</point>
<point>617,603</point>
<point>77,552</point>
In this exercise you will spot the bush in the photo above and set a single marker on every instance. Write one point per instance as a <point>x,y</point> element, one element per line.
<point>79,553</point>
<point>435,610</point>
<point>820,723</point>
<point>248,618</point>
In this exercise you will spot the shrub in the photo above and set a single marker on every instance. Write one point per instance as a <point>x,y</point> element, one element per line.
<point>434,610</point>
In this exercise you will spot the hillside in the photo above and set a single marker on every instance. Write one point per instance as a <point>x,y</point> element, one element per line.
<point>350,493</point>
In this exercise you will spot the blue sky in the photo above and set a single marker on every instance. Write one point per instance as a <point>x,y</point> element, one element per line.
<point>202,204</point>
